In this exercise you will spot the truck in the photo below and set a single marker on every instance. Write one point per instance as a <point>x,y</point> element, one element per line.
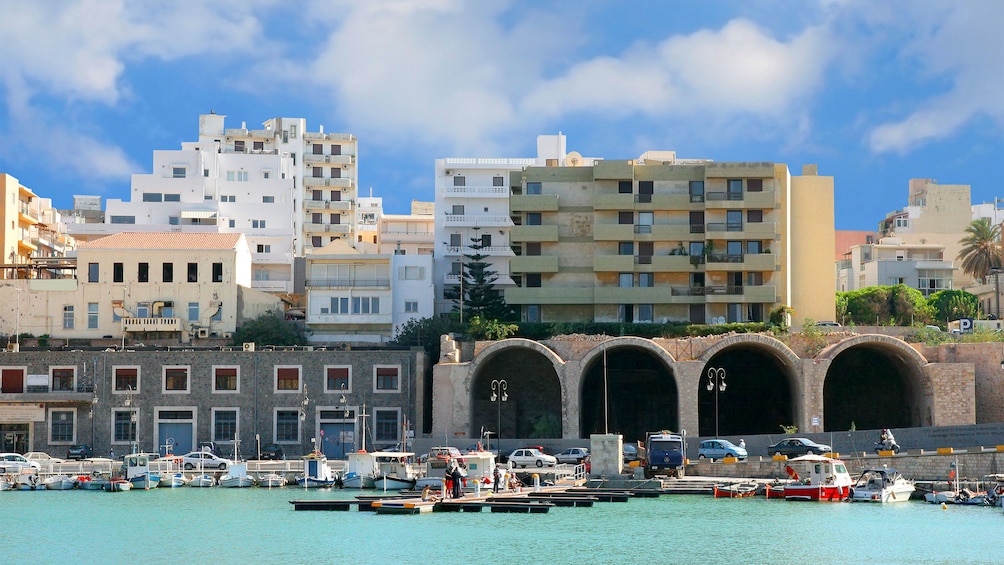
<point>665,454</point>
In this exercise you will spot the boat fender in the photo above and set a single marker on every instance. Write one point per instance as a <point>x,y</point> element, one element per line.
<point>999,490</point>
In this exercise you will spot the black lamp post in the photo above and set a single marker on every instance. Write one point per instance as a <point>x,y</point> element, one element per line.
<point>716,382</point>
<point>500,394</point>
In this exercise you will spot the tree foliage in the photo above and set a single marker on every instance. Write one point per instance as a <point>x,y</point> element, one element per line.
<point>426,332</point>
<point>481,298</point>
<point>897,305</point>
<point>981,248</point>
<point>271,328</point>
<point>482,329</point>
<point>954,304</point>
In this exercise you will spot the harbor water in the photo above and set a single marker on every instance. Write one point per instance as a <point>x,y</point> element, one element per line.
<point>223,526</point>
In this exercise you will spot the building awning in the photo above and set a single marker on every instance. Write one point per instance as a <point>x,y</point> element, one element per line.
<point>201,214</point>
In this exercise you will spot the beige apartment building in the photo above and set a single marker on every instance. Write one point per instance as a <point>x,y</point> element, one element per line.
<point>660,239</point>
<point>32,235</point>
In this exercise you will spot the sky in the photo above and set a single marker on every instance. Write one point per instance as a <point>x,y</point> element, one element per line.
<point>873,92</point>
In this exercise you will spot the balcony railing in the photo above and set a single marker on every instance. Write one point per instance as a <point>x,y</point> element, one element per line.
<point>151,324</point>
<point>476,191</point>
<point>478,221</point>
<point>706,290</point>
<point>348,282</point>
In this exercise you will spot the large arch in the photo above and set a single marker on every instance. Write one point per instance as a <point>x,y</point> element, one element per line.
<point>760,387</point>
<point>628,387</point>
<point>875,381</point>
<point>516,390</point>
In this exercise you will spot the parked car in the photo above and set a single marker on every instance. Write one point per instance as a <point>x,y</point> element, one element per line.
<point>630,452</point>
<point>14,462</point>
<point>531,457</point>
<point>828,324</point>
<point>204,460</point>
<point>572,455</point>
<point>271,451</point>
<point>539,448</point>
<point>79,451</point>
<point>719,449</point>
<point>43,458</point>
<point>795,446</point>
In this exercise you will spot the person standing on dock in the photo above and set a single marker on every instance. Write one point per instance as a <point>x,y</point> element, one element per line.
<point>496,478</point>
<point>457,475</point>
<point>448,480</point>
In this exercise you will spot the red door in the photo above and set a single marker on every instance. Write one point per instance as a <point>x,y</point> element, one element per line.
<point>11,380</point>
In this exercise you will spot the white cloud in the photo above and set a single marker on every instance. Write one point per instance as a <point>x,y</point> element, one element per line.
<point>958,43</point>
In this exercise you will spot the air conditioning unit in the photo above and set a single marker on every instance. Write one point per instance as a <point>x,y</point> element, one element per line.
<point>345,166</point>
<point>248,346</point>
<point>203,333</point>
<point>448,173</point>
<point>308,347</point>
<point>228,335</point>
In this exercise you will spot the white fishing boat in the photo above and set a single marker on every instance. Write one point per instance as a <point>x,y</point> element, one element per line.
<point>271,480</point>
<point>881,485</point>
<point>361,470</point>
<point>7,482</point>
<point>28,479</point>
<point>316,472</point>
<point>97,480</point>
<point>174,480</point>
<point>394,470</point>
<point>476,467</point>
<point>118,484</point>
<point>136,470</point>
<point>237,477</point>
<point>435,466</point>
<point>202,481</point>
<point>59,482</point>
<point>817,478</point>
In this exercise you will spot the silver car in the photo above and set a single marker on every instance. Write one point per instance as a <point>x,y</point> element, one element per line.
<point>531,458</point>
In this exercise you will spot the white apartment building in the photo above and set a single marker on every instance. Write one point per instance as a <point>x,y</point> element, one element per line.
<point>892,261</point>
<point>401,234</point>
<point>354,296</point>
<point>472,202</point>
<point>288,190</point>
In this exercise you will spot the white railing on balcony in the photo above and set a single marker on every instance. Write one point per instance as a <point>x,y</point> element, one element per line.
<point>495,250</point>
<point>478,221</point>
<point>475,161</point>
<point>469,191</point>
<point>151,324</point>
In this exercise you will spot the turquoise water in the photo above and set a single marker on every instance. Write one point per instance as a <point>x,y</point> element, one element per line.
<point>221,526</point>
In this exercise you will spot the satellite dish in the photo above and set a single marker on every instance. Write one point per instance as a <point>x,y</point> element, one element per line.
<point>573,159</point>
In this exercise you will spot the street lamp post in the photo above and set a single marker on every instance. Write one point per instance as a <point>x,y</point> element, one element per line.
<point>345,415</point>
<point>303,410</point>
<point>133,419</point>
<point>996,271</point>
<point>500,394</point>
<point>716,382</point>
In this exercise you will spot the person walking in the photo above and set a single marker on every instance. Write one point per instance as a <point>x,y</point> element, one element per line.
<point>496,478</point>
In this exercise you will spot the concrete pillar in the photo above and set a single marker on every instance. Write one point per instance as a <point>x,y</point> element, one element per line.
<point>606,454</point>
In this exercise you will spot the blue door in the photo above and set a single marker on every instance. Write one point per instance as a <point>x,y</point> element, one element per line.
<point>336,439</point>
<point>176,434</point>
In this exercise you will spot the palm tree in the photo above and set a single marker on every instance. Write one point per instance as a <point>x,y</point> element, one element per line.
<point>981,248</point>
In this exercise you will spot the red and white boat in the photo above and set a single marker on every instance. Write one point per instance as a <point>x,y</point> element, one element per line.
<point>818,479</point>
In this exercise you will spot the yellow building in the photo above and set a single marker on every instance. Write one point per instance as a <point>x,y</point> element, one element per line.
<point>657,239</point>
<point>32,236</point>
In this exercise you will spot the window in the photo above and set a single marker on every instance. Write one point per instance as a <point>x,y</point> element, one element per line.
<point>174,220</point>
<point>625,187</point>
<point>62,426</point>
<point>92,315</point>
<point>172,198</point>
<point>178,172</point>
<point>339,305</point>
<point>287,379</point>
<point>644,313</point>
<point>287,426</point>
<point>217,272</point>
<point>316,218</point>
<point>337,379</point>
<point>646,188</point>
<point>533,280</point>
<point>193,311</point>
<point>232,223</point>
<point>365,304</point>
<point>532,188</point>
<point>228,198</point>
<point>734,248</point>
<point>239,146</point>
<point>645,221</point>
<point>167,272</point>
<point>264,248</point>
<point>733,220</point>
<point>92,272</point>
<point>67,317</point>
<point>315,241</point>
<point>458,210</point>
<point>625,218</point>
<point>533,218</point>
<point>754,185</point>
<point>625,248</point>
<point>118,272</point>
<point>459,180</point>
<point>334,219</point>
<point>625,313</point>
<point>175,379</point>
<point>258,224</point>
<point>646,248</point>
<point>143,272</point>
<point>62,379</point>
<point>754,216</point>
<point>410,306</point>
<point>125,379</point>
<point>193,272</point>
<point>696,248</point>
<point>754,247</point>
<point>735,189</point>
<point>258,145</point>
<point>697,191</point>
<point>268,199</point>
<point>386,379</point>
<point>646,280</point>
<point>153,197</point>
<point>225,379</point>
<point>625,280</point>
<point>386,424</point>
<point>533,313</point>
<point>224,424</point>
<point>412,273</point>
<point>498,181</point>
<point>205,173</point>
<point>123,219</point>
<point>242,176</point>
<point>218,315</point>
<point>143,310</point>
<point>124,426</point>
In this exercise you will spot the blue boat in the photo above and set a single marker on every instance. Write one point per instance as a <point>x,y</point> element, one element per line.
<point>316,473</point>
<point>136,470</point>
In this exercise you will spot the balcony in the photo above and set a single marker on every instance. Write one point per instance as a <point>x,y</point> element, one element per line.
<point>744,230</point>
<point>137,325</point>
<point>534,233</point>
<point>729,293</point>
<point>337,205</point>
<point>534,264</point>
<point>613,232</point>
<point>272,286</point>
<point>739,200</point>
<point>616,263</point>
<point>313,159</point>
<point>477,191</point>
<point>340,182</point>
<point>533,203</point>
<point>348,282</point>
<point>633,295</point>
<point>475,221</point>
<point>327,228</point>
<point>549,295</point>
<point>493,251</point>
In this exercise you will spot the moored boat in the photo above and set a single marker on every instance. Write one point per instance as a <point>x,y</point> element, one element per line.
<point>7,482</point>
<point>59,482</point>
<point>237,477</point>
<point>394,470</point>
<point>476,466</point>
<point>734,490</point>
<point>174,480</point>
<point>271,480</point>
<point>28,479</point>
<point>817,478</point>
<point>202,481</point>
<point>316,472</point>
<point>136,470</point>
<point>361,470</point>
<point>881,485</point>
<point>118,484</point>
<point>97,480</point>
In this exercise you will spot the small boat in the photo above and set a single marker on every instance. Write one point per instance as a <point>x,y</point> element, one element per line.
<point>7,482</point>
<point>136,470</point>
<point>174,480</point>
<point>394,471</point>
<point>361,470</point>
<point>59,482</point>
<point>817,478</point>
<point>237,477</point>
<point>118,484</point>
<point>271,480</point>
<point>316,472</point>
<point>28,479</point>
<point>881,485</point>
<point>476,466</point>
<point>95,481</point>
<point>202,481</point>
<point>734,490</point>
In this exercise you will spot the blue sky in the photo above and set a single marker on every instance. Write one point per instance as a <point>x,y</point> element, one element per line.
<point>874,92</point>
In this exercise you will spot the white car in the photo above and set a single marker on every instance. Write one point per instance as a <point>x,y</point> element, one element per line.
<point>204,460</point>
<point>14,462</point>
<point>531,457</point>
<point>43,458</point>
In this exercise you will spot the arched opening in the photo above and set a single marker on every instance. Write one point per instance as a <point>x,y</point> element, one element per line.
<point>640,391</point>
<point>516,394</point>
<point>868,386</point>
<point>757,395</point>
